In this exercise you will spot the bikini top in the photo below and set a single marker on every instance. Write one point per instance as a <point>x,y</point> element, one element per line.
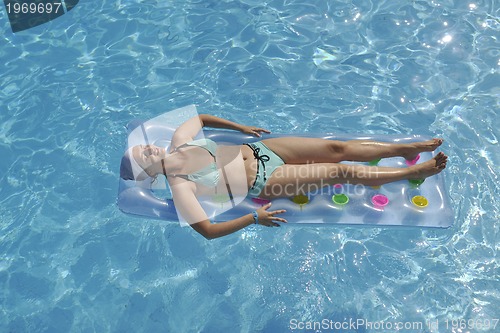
<point>208,176</point>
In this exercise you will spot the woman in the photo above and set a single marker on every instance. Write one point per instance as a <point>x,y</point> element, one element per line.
<point>277,167</point>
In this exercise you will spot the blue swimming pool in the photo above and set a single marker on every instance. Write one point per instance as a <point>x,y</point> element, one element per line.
<point>70,261</point>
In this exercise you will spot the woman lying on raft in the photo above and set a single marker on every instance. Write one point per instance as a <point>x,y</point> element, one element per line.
<point>277,167</point>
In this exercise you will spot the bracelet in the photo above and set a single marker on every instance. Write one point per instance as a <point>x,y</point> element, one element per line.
<point>255,217</point>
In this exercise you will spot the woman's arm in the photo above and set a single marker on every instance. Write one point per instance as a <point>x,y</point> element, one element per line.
<point>215,230</point>
<point>216,122</point>
<point>189,208</point>
<point>189,129</point>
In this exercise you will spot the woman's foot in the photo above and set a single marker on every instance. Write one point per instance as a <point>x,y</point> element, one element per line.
<point>416,148</point>
<point>430,167</point>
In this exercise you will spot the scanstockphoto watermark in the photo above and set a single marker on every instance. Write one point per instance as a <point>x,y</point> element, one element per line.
<point>312,170</point>
<point>433,325</point>
<point>320,188</point>
<point>355,324</point>
<point>321,179</point>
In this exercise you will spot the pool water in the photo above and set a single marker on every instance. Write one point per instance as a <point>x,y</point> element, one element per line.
<point>70,261</point>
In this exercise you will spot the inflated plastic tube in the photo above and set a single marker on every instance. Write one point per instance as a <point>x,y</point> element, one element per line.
<point>140,198</point>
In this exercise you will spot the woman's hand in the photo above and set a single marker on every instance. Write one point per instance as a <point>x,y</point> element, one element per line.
<point>252,130</point>
<point>268,218</point>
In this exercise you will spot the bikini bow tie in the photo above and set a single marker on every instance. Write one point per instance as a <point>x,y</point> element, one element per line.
<point>262,158</point>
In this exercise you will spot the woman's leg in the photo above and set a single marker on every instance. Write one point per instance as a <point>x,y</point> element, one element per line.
<point>291,179</point>
<point>296,150</point>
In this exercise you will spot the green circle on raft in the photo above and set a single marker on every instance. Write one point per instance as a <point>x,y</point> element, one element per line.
<point>374,162</point>
<point>300,199</point>
<point>416,182</point>
<point>221,198</point>
<point>340,199</point>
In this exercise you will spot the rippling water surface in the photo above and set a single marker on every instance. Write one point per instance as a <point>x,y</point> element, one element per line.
<point>71,262</point>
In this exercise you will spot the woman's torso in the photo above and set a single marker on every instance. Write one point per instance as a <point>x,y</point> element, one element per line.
<point>189,160</point>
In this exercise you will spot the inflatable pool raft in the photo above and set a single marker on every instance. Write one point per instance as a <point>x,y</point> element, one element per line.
<point>396,204</point>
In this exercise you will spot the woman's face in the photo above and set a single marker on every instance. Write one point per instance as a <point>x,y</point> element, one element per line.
<point>149,158</point>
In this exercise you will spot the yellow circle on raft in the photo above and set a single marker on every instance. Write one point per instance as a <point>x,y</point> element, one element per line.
<point>300,199</point>
<point>420,201</point>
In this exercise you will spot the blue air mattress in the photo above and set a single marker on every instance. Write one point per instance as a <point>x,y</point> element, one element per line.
<point>396,204</point>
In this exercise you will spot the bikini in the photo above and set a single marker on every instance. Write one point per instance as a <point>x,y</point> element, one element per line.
<point>269,160</point>
<point>209,175</point>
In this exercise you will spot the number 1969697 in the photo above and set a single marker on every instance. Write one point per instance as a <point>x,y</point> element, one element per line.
<point>33,8</point>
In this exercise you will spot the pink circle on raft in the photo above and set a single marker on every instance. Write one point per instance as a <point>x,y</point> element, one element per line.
<point>380,200</point>
<point>337,186</point>
<point>260,201</point>
<point>413,161</point>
